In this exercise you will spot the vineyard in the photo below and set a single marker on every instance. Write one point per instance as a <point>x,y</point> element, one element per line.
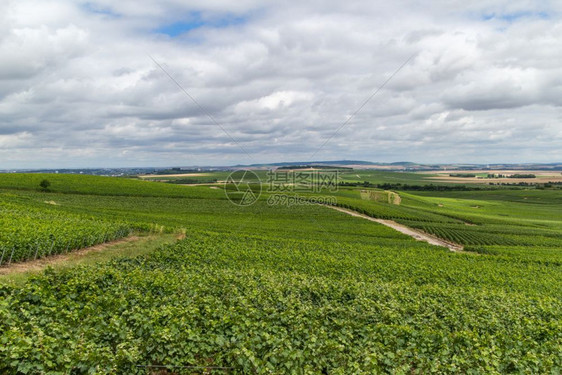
<point>30,232</point>
<point>508,219</point>
<point>274,289</point>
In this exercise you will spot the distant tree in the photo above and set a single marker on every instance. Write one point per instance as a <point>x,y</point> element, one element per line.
<point>45,185</point>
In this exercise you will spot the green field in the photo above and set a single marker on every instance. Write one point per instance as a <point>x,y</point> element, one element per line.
<point>359,176</point>
<point>279,289</point>
<point>381,177</point>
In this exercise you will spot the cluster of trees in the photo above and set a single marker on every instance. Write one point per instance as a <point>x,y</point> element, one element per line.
<point>431,187</point>
<point>546,185</point>
<point>44,185</point>
<point>517,175</point>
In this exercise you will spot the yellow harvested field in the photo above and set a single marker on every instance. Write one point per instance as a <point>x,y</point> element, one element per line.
<point>541,176</point>
<point>496,171</point>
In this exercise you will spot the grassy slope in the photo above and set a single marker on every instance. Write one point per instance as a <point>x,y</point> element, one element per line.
<point>84,184</point>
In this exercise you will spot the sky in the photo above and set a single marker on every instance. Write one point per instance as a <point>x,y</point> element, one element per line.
<point>107,83</point>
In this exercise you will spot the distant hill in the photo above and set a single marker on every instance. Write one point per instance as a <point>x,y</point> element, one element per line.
<point>308,163</point>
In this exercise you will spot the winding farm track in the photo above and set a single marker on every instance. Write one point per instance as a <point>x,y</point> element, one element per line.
<point>416,234</point>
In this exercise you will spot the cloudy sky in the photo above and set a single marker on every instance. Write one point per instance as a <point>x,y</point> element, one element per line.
<point>97,83</point>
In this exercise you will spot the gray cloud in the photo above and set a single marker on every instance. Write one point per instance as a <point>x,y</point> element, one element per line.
<point>78,88</point>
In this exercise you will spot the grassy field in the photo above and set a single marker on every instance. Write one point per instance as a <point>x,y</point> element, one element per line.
<point>381,177</point>
<point>277,289</point>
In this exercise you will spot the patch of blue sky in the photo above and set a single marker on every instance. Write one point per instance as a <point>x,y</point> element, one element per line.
<point>196,21</point>
<point>92,8</point>
<point>516,16</point>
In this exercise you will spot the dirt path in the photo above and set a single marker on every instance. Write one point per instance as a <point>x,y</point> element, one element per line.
<point>418,235</point>
<point>39,264</point>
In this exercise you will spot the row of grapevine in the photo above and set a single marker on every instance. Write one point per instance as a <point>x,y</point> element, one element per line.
<point>28,232</point>
<point>392,212</point>
<point>466,236</point>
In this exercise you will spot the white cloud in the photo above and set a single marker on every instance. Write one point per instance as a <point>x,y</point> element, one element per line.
<point>78,87</point>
